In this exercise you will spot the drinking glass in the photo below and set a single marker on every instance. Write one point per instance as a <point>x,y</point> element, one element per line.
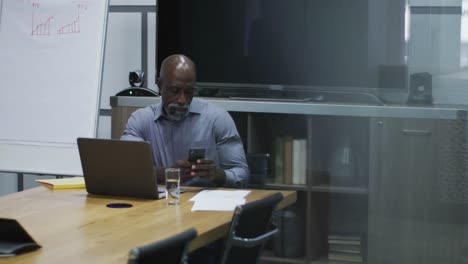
<point>172,186</point>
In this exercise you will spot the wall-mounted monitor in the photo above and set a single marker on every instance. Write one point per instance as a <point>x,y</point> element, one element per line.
<point>271,44</point>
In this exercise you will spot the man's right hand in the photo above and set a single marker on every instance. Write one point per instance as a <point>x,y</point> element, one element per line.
<point>184,167</point>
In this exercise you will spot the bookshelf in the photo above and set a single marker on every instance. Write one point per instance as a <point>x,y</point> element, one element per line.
<point>324,203</point>
<point>397,161</point>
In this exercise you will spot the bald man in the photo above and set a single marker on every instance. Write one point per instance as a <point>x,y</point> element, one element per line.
<point>180,122</point>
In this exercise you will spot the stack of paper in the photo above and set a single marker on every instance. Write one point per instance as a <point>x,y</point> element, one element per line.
<point>218,200</point>
<point>346,248</point>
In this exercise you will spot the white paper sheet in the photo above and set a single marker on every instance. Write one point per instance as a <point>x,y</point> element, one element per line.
<point>220,194</point>
<point>217,205</point>
<point>218,200</point>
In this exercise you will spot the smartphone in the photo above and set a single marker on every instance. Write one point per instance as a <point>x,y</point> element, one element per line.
<point>196,154</point>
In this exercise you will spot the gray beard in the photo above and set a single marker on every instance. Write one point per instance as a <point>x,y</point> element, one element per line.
<point>177,112</point>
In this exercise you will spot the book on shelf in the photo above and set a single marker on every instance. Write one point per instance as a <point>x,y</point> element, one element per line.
<point>299,158</point>
<point>347,257</point>
<point>352,237</point>
<point>290,160</point>
<point>279,157</point>
<point>65,183</point>
<point>344,241</point>
<point>345,248</point>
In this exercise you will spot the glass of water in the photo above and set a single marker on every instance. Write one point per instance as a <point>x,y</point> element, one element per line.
<point>172,186</point>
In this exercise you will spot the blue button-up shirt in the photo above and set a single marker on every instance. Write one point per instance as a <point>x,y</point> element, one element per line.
<point>206,126</point>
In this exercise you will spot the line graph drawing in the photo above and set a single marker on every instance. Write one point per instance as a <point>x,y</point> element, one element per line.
<point>73,27</point>
<point>42,28</point>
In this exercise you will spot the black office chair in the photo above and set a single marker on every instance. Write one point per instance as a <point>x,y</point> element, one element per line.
<point>169,251</point>
<point>250,228</point>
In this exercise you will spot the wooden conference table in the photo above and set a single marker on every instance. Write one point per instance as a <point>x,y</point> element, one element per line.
<point>74,227</point>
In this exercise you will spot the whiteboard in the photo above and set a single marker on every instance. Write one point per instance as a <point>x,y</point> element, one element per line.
<point>51,57</point>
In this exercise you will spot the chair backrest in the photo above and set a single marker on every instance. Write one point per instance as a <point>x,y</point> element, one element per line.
<point>250,228</point>
<point>169,251</point>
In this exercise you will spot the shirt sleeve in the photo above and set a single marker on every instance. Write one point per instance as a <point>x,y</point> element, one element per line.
<point>230,152</point>
<point>134,128</point>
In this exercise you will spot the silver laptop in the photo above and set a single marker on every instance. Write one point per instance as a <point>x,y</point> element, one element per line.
<point>118,168</point>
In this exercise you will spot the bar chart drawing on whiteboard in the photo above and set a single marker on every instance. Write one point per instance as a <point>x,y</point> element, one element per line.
<point>71,28</point>
<point>41,28</point>
<point>64,21</point>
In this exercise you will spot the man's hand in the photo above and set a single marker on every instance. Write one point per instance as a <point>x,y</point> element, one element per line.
<point>208,170</point>
<point>183,165</point>
<point>185,169</point>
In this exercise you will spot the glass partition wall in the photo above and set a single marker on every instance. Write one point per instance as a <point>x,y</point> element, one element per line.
<point>396,183</point>
<point>385,183</point>
<point>381,90</point>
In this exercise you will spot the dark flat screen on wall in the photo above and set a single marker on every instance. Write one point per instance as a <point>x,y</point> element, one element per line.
<point>265,42</point>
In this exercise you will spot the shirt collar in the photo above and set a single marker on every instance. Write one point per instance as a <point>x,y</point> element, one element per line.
<point>194,108</point>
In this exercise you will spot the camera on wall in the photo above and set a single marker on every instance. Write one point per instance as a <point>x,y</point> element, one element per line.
<point>137,80</point>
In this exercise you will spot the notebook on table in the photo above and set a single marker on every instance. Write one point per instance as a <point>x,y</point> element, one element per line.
<point>14,239</point>
<point>118,168</point>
